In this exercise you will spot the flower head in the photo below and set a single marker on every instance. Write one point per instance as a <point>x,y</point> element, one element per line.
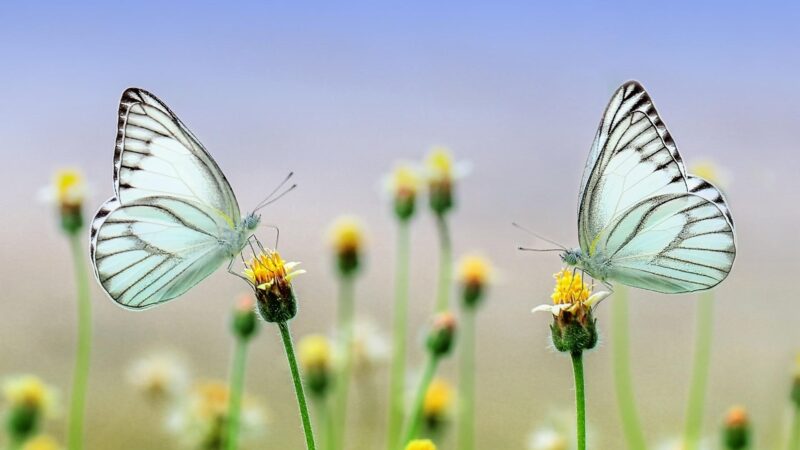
<point>41,442</point>
<point>68,192</point>
<point>474,274</point>
<point>438,403</point>
<point>421,444</point>
<point>159,376</point>
<point>271,278</point>
<point>315,354</point>
<point>574,327</point>
<point>442,334</point>
<point>347,239</point>
<point>710,171</point>
<point>243,323</point>
<point>736,428</point>
<point>403,184</point>
<point>441,171</point>
<point>29,400</point>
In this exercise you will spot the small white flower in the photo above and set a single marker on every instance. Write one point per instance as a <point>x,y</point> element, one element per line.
<point>159,376</point>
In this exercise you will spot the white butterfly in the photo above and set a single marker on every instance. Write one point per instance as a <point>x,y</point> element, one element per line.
<point>642,220</point>
<point>173,219</point>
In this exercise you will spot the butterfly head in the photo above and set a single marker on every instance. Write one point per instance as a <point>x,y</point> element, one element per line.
<point>572,257</point>
<point>250,222</point>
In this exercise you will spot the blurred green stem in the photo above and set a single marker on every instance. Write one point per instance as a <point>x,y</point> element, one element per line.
<point>415,420</point>
<point>398,371</point>
<point>445,264</point>
<point>80,376</point>
<point>622,371</point>
<point>286,335</point>
<point>580,398</point>
<point>466,382</point>
<point>702,357</point>
<point>237,386</point>
<point>342,387</point>
<point>794,439</point>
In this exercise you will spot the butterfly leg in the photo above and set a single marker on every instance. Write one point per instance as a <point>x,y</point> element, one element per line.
<point>232,272</point>
<point>277,233</point>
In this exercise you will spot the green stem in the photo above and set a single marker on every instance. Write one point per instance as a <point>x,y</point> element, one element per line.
<point>345,319</point>
<point>445,264</point>
<point>794,440</point>
<point>80,376</point>
<point>414,422</point>
<point>622,372</point>
<point>286,335</point>
<point>466,381</point>
<point>399,340</point>
<point>702,357</point>
<point>237,386</point>
<point>580,398</point>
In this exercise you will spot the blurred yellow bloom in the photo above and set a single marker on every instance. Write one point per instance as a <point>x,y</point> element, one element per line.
<point>42,442</point>
<point>438,400</point>
<point>159,376</point>
<point>347,235</point>
<point>547,439</point>
<point>439,164</point>
<point>710,171</point>
<point>474,270</point>
<point>69,187</point>
<point>404,181</point>
<point>315,352</point>
<point>421,444</point>
<point>31,392</point>
<point>736,417</point>
<point>572,294</point>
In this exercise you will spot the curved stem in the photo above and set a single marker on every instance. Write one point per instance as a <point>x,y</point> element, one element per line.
<point>466,381</point>
<point>414,422</point>
<point>399,339</point>
<point>236,388</point>
<point>445,265</point>
<point>702,357</point>
<point>794,439</point>
<point>298,385</point>
<point>80,376</point>
<point>622,371</point>
<point>580,398</point>
<point>345,325</point>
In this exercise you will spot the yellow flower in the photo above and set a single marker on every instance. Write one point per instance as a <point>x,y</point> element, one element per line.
<point>29,391</point>
<point>404,181</point>
<point>159,376</point>
<point>315,353</point>
<point>571,294</point>
<point>69,187</point>
<point>421,444</point>
<point>710,171</point>
<point>438,400</point>
<point>271,278</point>
<point>41,442</point>
<point>736,417</point>
<point>474,270</point>
<point>441,173</point>
<point>347,239</point>
<point>440,165</point>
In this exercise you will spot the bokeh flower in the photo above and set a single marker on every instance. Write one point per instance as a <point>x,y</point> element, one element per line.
<point>547,438</point>
<point>370,347</point>
<point>67,192</point>
<point>271,279</point>
<point>736,429</point>
<point>442,334</point>
<point>29,400</point>
<point>710,171</point>
<point>244,323</point>
<point>474,275</point>
<point>41,442</point>
<point>347,239</point>
<point>421,444</point>
<point>679,444</point>
<point>438,403</point>
<point>159,376</point>
<point>403,184</point>
<point>316,358</point>
<point>441,172</point>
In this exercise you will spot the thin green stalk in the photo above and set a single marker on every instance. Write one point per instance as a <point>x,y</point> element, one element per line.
<point>580,398</point>
<point>237,386</point>
<point>794,439</point>
<point>445,264</point>
<point>466,382</point>
<point>622,371</point>
<point>702,358</point>
<point>400,339</point>
<point>414,422</point>
<point>80,376</point>
<point>286,335</point>
<point>346,318</point>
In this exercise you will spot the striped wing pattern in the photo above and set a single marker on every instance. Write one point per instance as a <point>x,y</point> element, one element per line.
<point>646,221</point>
<point>153,249</point>
<point>671,243</point>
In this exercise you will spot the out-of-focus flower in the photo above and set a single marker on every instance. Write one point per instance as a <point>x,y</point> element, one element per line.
<point>41,442</point>
<point>200,420</point>
<point>795,393</point>
<point>316,358</point>
<point>710,171</point>
<point>442,334</point>
<point>29,401</point>
<point>370,347</point>
<point>678,444</point>
<point>271,279</point>
<point>574,328</point>
<point>547,439</point>
<point>159,376</point>
<point>474,275</point>
<point>438,403</point>
<point>244,323</point>
<point>403,184</point>
<point>441,172</point>
<point>347,239</point>
<point>736,429</point>
<point>67,191</point>
<point>421,444</point>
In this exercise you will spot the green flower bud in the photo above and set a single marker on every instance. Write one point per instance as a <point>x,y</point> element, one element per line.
<point>244,323</point>
<point>271,279</point>
<point>442,335</point>
<point>736,429</point>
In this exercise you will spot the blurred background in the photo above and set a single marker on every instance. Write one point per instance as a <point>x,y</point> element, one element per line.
<point>338,93</point>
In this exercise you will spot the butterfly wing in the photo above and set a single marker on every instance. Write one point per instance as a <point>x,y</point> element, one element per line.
<point>670,243</point>
<point>162,232</point>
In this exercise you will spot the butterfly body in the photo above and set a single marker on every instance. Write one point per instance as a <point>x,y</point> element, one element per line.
<point>643,220</point>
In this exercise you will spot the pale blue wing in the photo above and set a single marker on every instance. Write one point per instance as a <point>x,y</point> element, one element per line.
<point>156,155</point>
<point>705,189</point>
<point>670,243</point>
<point>153,249</point>
<point>633,157</point>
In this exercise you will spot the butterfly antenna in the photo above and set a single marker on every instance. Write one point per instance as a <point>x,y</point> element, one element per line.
<point>527,249</point>
<point>272,199</point>
<point>531,232</point>
<point>263,203</point>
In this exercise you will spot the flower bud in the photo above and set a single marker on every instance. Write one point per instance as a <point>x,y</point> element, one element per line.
<point>347,237</point>
<point>437,404</point>
<point>442,334</point>
<point>403,185</point>
<point>29,400</point>
<point>315,358</point>
<point>736,429</point>
<point>244,323</point>
<point>271,279</point>
<point>441,178</point>
<point>474,276</point>
<point>68,192</point>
